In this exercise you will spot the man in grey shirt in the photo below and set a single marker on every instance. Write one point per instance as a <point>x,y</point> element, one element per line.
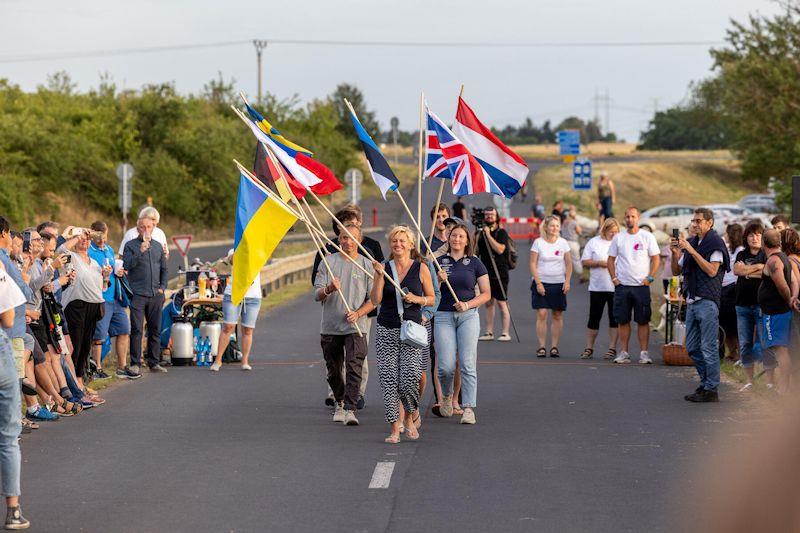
<point>340,340</point>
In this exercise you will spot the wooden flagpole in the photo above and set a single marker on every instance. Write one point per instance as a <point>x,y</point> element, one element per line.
<point>421,160</point>
<point>436,212</point>
<point>320,249</point>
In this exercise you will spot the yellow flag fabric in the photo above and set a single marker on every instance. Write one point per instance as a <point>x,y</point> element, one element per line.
<point>261,222</point>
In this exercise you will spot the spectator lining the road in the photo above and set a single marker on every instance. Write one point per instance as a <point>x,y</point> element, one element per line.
<point>399,364</point>
<point>246,313</point>
<point>342,344</point>
<point>11,298</point>
<point>748,266</point>
<point>551,268</point>
<point>703,261</point>
<point>633,259</point>
<point>458,323</point>
<point>601,288</point>
<point>157,234</point>
<point>790,245</point>
<point>780,223</point>
<point>147,273</point>
<point>606,196</point>
<point>570,231</point>
<point>727,307</point>
<point>491,242</point>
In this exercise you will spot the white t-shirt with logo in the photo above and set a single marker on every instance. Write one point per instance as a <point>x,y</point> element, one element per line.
<point>599,278</point>
<point>253,292</point>
<point>633,254</point>
<point>550,263</point>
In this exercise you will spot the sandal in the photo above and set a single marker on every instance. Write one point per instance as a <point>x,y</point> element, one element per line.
<point>437,410</point>
<point>458,411</point>
<point>60,410</point>
<point>412,435</point>
<point>392,439</point>
<point>541,352</point>
<point>30,424</point>
<point>610,354</point>
<point>587,353</point>
<point>417,421</point>
<point>554,352</point>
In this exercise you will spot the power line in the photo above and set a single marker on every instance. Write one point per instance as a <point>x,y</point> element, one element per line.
<point>50,56</point>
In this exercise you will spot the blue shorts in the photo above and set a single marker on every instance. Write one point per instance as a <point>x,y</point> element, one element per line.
<point>629,298</point>
<point>248,310</point>
<point>114,323</point>
<point>776,329</point>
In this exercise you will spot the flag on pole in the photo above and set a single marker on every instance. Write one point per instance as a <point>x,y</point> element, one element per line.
<point>506,168</point>
<point>435,163</point>
<point>267,173</point>
<point>261,223</point>
<point>379,168</point>
<point>270,130</point>
<point>468,176</point>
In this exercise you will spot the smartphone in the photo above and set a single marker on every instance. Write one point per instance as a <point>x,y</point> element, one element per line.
<point>676,233</point>
<point>26,241</point>
<point>67,259</point>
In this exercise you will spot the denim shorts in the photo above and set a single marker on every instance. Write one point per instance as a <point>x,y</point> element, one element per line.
<point>248,310</point>
<point>115,322</point>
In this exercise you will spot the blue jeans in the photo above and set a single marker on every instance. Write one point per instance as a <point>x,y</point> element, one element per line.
<point>76,391</point>
<point>702,341</point>
<point>10,419</point>
<point>748,321</point>
<point>457,334</point>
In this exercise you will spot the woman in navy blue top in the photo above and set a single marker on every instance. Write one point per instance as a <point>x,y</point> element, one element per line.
<point>399,364</point>
<point>457,324</point>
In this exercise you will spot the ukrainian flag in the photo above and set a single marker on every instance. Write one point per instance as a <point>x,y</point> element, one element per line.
<point>261,223</point>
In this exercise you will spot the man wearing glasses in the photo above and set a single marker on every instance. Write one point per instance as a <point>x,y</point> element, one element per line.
<point>703,260</point>
<point>492,241</point>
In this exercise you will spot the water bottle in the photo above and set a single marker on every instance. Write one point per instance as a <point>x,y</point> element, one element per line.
<point>197,350</point>
<point>206,351</point>
<point>201,352</point>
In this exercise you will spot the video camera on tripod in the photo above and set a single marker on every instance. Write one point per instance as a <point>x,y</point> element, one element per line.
<point>478,217</point>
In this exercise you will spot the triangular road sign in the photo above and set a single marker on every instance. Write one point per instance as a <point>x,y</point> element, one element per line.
<point>182,243</point>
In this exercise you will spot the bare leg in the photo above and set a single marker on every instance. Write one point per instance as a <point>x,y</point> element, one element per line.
<point>423,381</point>
<point>54,360</point>
<point>224,339</point>
<point>121,344</point>
<point>624,336</point>
<point>97,355</point>
<point>557,326</point>
<point>541,327</point>
<point>591,336</point>
<point>613,334</point>
<point>437,386</point>
<point>784,369</point>
<point>644,336</point>
<point>247,343</point>
<point>456,386</point>
<point>490,316</point>
<point>505,315</point>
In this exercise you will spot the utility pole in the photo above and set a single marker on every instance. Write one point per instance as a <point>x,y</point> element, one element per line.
<point>260,45</point>
<point>596,106</point>
<point>608,113</point>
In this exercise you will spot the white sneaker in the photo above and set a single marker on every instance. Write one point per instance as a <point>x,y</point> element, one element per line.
<point>747,387</point>
<point>247,367</point>
<point>644,358</point>
<point>622,358</point>
<point>505,337</point>
<point>215,367</point>
<point>338,414</point>
<point>468,417</point>
<point>350,418</point>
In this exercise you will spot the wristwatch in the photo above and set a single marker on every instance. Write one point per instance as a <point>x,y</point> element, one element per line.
<point>650,279</point>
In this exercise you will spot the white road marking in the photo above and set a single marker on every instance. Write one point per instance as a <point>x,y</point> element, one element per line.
<point>382,475</point>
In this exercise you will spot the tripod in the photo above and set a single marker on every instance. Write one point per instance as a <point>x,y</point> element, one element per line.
<point>497,276</point>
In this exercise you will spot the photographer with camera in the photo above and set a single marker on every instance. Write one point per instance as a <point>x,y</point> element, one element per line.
<point>492,242</point>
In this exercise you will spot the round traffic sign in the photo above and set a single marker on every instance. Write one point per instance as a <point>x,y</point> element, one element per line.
<point>124,170</point>
<point>353,175</point>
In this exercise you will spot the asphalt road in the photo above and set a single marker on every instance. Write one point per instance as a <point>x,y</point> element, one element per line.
<point>560,445</point>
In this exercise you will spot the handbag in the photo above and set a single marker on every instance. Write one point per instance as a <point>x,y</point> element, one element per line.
<point>123,293</point>
<point>411,333</point>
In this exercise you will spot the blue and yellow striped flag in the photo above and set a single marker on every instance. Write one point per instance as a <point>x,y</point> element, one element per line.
<point>274,134</point>
<point>261,223</point>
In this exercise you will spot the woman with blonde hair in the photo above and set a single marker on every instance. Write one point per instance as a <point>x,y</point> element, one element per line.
<point>551,268</point>
<point>399,363</point>
<point>601,288</point>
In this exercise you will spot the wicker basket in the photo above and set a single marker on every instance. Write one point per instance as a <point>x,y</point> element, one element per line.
<point>675,355</point>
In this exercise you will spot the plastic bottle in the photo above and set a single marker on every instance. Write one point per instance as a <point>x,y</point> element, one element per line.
<point>201,353</point>
<point>196,350</point>
<point>201,284</point>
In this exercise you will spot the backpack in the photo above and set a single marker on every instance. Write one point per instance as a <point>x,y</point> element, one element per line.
<point>511,253</point>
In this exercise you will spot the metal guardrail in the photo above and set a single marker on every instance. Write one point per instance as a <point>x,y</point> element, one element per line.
<point>286,270</point>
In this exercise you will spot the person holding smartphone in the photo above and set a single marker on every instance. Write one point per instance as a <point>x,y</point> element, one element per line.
<point>146,264</point>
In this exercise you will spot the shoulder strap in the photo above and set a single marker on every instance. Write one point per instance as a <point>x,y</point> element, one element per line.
<point>396,292</point>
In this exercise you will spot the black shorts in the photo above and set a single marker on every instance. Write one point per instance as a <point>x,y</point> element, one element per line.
<point>37,329</point>
<point>727,311</point>
<point>495,284</point>
<point>553,298</point>
<point>597,301</point>
<point>632,298</point>
<point>37,354</point>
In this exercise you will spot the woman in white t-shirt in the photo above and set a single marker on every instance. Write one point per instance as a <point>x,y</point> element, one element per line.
<point>551,267</point>
<point>601,288</point>
<point>248,312</point>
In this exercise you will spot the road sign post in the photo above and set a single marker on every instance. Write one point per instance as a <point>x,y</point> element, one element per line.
<point>125,192</point>
<point>582,175</point>
<point>569,144</point>
<point>354,177</point>
<point>182,243</point>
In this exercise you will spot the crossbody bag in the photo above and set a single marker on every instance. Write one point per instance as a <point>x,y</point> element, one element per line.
<point>411,333</point>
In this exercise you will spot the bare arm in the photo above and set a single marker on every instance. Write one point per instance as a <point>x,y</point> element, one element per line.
<point>611,265</point>
<point>568,264</point>
<point>496,246</point>
<point>376,295</point>
<point>484,293</point>
<point>655,260</point>
<point>534,271</point>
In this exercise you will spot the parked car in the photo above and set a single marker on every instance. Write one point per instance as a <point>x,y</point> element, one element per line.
<point>760,203</point>
<point>725,214</point>
<point>666,217</point>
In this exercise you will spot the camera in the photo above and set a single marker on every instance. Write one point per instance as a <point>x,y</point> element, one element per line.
<point>478,217</point>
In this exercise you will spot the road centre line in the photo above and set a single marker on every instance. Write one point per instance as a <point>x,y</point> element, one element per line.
<point>382,475</point>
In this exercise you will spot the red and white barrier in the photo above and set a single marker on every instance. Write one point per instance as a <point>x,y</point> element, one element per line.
<point>521,227</point>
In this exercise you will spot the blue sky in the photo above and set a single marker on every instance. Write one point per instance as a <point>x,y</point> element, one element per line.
<point>504,85</point>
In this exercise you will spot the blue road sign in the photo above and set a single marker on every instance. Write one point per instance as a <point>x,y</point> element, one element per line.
<point>582,175</point>
<point>569,142</point>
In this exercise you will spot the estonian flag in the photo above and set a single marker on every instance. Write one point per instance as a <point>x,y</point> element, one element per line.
<point>382,175</point>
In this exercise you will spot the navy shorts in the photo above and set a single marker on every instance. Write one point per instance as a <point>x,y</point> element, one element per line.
<point>776,329</point>
<point>554,297</point>
<point>629,298</point>
<point>115,322</point>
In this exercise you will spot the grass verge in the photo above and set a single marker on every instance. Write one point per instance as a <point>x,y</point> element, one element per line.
<point>285,295</point>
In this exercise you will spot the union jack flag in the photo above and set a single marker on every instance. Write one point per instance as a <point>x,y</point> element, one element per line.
<point>435,163</point>
<point>468,176</point>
